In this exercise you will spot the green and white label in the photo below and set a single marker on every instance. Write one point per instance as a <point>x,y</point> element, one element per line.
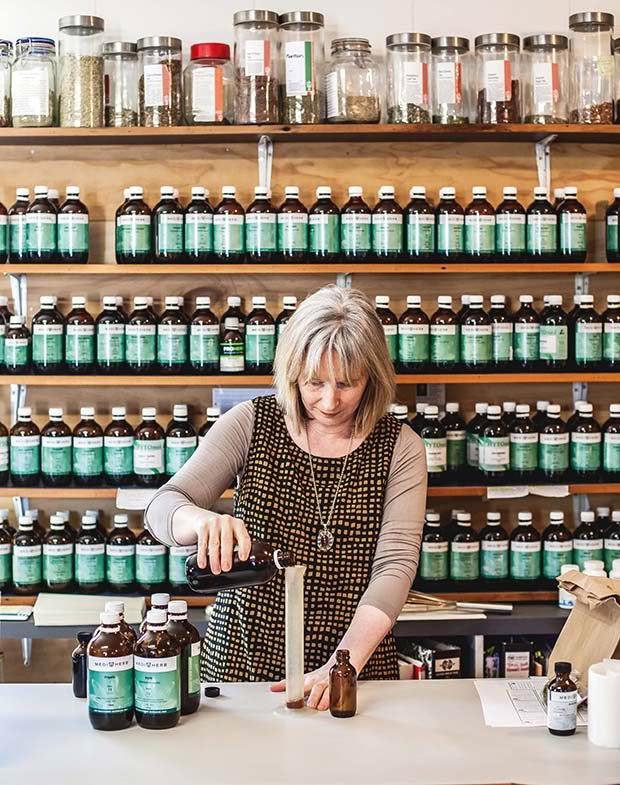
<point>502,341</point>
<point>87,456</point>
<point>494,558</point>
<point>450,233</point>
<point>90,563</point>
<point>573,237</point>
<point>413,343</point>
<point>611,452</point>
<point>18,235</point>
<point>611,552</point>
<point>198,233</point>
<point>179,449</point>
<point>526,341</point>
<point>585,454</point>
<point>133,234</point>
<point>58,563</point>
<point>5,563</point>
<point>523,452</point>
<point>41,232</point>
<point>542,234</point>
<point>260,233</point>
<point>588,342</point>
<point>355,233</point>
<point>612,233</point>
<point>260,344</point>
<point>324,234</point>
<point>177,556</point>
<point>25,454</point>
<point>494,453</point>
<point>479,234</point>
<point>80,344</point>
<point>110,343</point>
<point>444,344</point>
<point>141,343</point>
<point>611,342</point>
<point>420,234</point>
<point>228,234</point>
<point>169,237</point>
<point>525,560</point>
<point>110,684</point>
<point>299,68</point>
<point>476,344</point>
<point>27,565</point>
<point>553,342</point>
<point>555,555</point>
<point>583,550</point>
<point>436,454</point>
<point>151,563</point>
<point>193,669</point>
<point>473,450</point>
<point>434,561</point>
<point>456,444</point>
<point>204,344</point>
<point>387,233</point>
<point>72,233</point>
<point>157,684</point>
<point>118,455</point>
<point>232,357</point>
<point>172,344</point>
<point>4,239</point>
<point>148,456</point>
<point>16,352</point>
<point>510,233</point>
<point>56,455</point>
<point>391,339</point>
<point>47,344</point>
<point>120,563</point>
<point>553,452</point>
<point>292,232</point>
<point>465,561</point>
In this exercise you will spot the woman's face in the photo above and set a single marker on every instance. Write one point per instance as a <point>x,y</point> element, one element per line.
<point>332,402</point>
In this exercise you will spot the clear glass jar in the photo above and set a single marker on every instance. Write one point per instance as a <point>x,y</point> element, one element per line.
<point>257,67</point>
<point>451,80</point>
<point>6,58</point>
<point>498,78</point>
<point>352,83</point>
<point>209,85</point>
<point>617,71</point>
<point>592,67</point>
<point>303,55</point>
<point>121,84</point>
<point>160,81</point>
<point>33,83</point>
<point>80,71</point>
<point>408,78</point>
<point>545,79</point>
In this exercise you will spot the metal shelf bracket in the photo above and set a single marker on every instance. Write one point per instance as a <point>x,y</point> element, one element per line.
<point>265,161</point>
<point>543,160</point>
<point>344,280</point>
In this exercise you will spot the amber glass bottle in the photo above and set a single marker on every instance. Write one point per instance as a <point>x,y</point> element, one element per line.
<point>342,686</point>
<point>110,654</point>
<point>188,637</point>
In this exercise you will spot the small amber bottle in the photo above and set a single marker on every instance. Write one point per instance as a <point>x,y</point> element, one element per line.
<point>562,699</point>
<point>342,686</point>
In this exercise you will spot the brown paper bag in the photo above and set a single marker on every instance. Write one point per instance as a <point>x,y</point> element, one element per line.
<point>592,631</point>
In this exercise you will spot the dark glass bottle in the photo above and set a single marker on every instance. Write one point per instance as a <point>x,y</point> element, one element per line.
<point>413,337</point>
<point>141,337</point>
<point>4,456</point>
<point>56,451</point>
<point>611,333</point>
<point>355,227</point>
<point>523,447</point>
<point>417,421</point>
<point>464,550</point>
<point>553,446</point>
<point>90,557</point>
<point>151,562</point>
<point>456,442</point>
<point>509,413</point>
<point>181,440</point>
<point>4,325</point>
<point>120,556</point>
<point>494,447</point>
<point>118,439</point>
<point>4,234</point>
<point>24,450</point>
<point>558,197</point>
<point>260,338</point>
<point>6,538</point>
<point>444,336</point>
<point>261,236</point>
<point>173,337</point>
<point>510,227</point>
<point>148,451</point>
<point>587,540</point>
<point>134,243</point>
<point>603,519</point>
<point>324,227</point>
<point>342,686</point>
<point>48,338</point>
<point>232,353</point>
<point>434,438</point>
<point>159,602</point>
<point>289,306</point>
<point>87,450</point>
<point>17,347</point>
<point>167,226</point>
<point>213,415</point>
<point>502,330</point>
<point>53,198</point>
<point>526,348</point>
<point>292,227</point>
<point>419,217</point>
<point>450,226</point>
<point>476,333</point>
<point>41,221</point>
<point>554,335</point>
<point>229,227</point>
<point>110,707</point>
<point>611,444</point>
<point>474,431</point>
<point>557,546</point>
<point>73,226</point>
<point>188,638</point>
<point>27,559</point>
<point>479,226</point>
<point>611,543</point>
<point>79,665</point>
<point>494,549</point>
<point>387,225</point>
<point>612,243</point>
<point>588,340</point>
<point>542,230</point>
<point>57,556</point>
<point>233,311</point>
<point>585,446</point>
<point>575,415</point>
<point>204,338</point>
<point>525,550</point>
<point>389,322</point>
<point>110,337</point>
<point>5,524</point>
<point>434,553</point>
<point>199,227</point>
<point>540,418</point>
<point>562,702</point>
<point>18,228</point>
<point>573,226</point>
<point>79,338</point>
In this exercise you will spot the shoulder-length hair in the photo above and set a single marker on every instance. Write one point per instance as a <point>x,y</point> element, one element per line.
<point>335,322</point>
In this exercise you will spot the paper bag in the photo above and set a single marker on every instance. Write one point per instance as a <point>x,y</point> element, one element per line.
<point>592,631</point>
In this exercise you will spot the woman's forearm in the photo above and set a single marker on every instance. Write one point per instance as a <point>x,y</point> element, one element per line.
<point>368,628</point>
<point>184,521</point>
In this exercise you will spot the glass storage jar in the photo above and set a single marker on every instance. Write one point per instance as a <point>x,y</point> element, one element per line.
<point>208,85</point>
<point>257,67</point>
<point>121,84</point>
<point>80,71</point>
<point>352,83</point>
<point>451,80</point>
<point>592,67</point>
<point>33,83</point>
<point>160,81</point>
<point>617,79</point>
<point>6,57</point>
<point>545,78</point>
<point>303,55</point>
<point>408,78</point>
<point>498,78</point>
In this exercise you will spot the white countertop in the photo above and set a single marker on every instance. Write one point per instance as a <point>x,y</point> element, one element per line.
<point>429,732</point>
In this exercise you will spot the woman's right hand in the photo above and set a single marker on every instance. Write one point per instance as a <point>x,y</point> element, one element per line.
<point>217,536</point>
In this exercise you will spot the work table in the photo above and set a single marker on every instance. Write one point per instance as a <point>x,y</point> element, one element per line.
<point>429,732</point>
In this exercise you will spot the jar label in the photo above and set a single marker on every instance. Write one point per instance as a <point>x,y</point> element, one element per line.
<point>611,553</point>
<point>87,455</point>
<point>80,344</point>
<point>157,684</point>
<point>257,58</point>
<point>448,81</point>
<point>177,556</point>
<point>204,344</point>
<point>497,80</point>
<point>611,452</point>
<point>110,684</point>
<point>208,94</point>
<point>494,453</point>
<point>157,85</point>
<point>436,455</point>
<point>387,233</point>
<point>476,344</point>
<point>562,710</point>
<point>585,454</point>
<point>479,234</point>
<point>4,453</point>
<point>612,233</point>
<point>58,563</point>
<point>465,561</point>
<point>260,233</point>
<point>292,232</point>
<point>169,237</point>
<point>456,443</point>
<point>415,83</point>
<point>41,232</point>
<point>324,233</point>
<point>172,344</point>
<point>573,232</point>
<point>299,68</point>
<point>118,455</point>
<point>260,344</point>
<point>198,233</point>
<point>444,344</point>
<point>5,563</point>
<point>30,92</point>
<point>546,85</point>
<point>148,456</point>
<point>555,555</point>
<point>553,453</point>
<point>434,561</point>
<point>450,234</point>
<point>391,339</point>
<point>510,233</point>
<point>502,341</point>
<point>72,233</point>
<point>151,563</point>
<point>588,342</point>
<point>18,234</point>
<point>27,566</point>
<point>494,558</point>
<point>16,352</point>
<point>611,341</point>
<point>110,343</point>
<point>133,234</point>
<point>355,233</point>
<point>228,234</point>
<point>56,458</point>
<point>525,560</point>
<point>524,452</point>
<point>47,344</point>
<point>120,563</point>
<point>178,451</point>
<point>140,343</point>
<point>232,358</point>
<point>90,563</point>
<point>553,342</point>
<point>25,454</point>
<point>193,668</point>
<point>542,233</point>
<point>526,341</point>
<point>413,343</point>
<point>420,233</point>
<point>583,550</point>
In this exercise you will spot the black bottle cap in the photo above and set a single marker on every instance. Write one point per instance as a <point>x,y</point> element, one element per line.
<point>84,637</point>
<point>563,667</point>
<point>212,692</point>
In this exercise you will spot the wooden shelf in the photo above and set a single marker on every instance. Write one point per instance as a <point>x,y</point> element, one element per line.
<point>192,600</point>
<point>38,492</point>
<point>449,491</point>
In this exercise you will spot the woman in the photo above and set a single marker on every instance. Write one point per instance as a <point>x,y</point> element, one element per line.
<point>323,472</point>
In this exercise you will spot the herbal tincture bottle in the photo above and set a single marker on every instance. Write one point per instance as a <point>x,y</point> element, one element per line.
<point>118,439</point>
<point>159,602</point>
<point>434,556</point>
<point>434,438</point>
<point>120,556</point>
<point>542,236</point>
<point>87,450</point>
<point>289,306</point>
<point>611,443</point>
<point>494,549</point>
<point>611,333</point>
<point>479,226</point>
<point>17,346</point>
<point>80,338</point>
<point>141,337</point>
<point>73,235</point>
<point>151,563</point>
<point>464,550</point>
<point>588,341</point>
<point>450,225</point>
<point>4,324</point>
<point>494,446</point>
<point>387,225</point>
<point>553,446</point>
<point>228,227</point>
<point>526,349</point>
<point>261,237</point>
<point>148,451</point>
<point>389,322</point>
<point>587,540</point>
<point>90,557</point>
<point>213,415</point>
<point>509,413</point>
<point>18,228</point>
<point>573,224</point>
<point>157,675</point>
<point>260,338</point>
<point>110,329</point>
<point>444,336</point>
<point>177,556</point>
<point>557,546</point>
<point>232,358</point>
<point>181,439</point>
<point>413,337</point>
<point>6,539</point>
<point>612,233</point>
<point>27,558</point>
<point>167,225</point>
<point>540,418</point>
<point>4,238</point>
<point>456,440</point>
<point>554,336</point>
<point>510,223</point>
<point>199,227</point>
<point>523,446</point>
<point>234,312</point>
<point>525,548</point>
<point>419,217</point>
<point>172,337</point>
<point>611,542</point>
<point>585,441</point>
<point>474,432</point>
<point>110,676</point>
<point>342,686</point>
<point>41,222</point>
<point>48,328</point>
<point>324,226</point>
<point>562,701</point>
<point>476,335</point>
<point>204,338</point>
<point>501,332</point>
<point>57,556</point>
<point>25,449</point>
<point>355,227</point>
<point>79,667</point>
<point>133,230</point>
<point>56,451</point>
<point>558,197</point>
<point>118,606</point>
<point>188,637</point>
<point>292,227</point>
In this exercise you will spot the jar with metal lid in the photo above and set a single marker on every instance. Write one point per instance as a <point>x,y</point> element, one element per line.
<point>257,67</point>
<point>545,79</point>
<point>121,84</point>
<point>451,80</point>
<point>352,83</point>
<point>80,71</point>
<point>617,79</point>
<point>498,78</point>
<point>592,67</point>
<point>160,81</point>
<point>208,85</point>
<point>303,55</point>
<point>408,78</point>
<point>33,83</point>
<point>6,58</point>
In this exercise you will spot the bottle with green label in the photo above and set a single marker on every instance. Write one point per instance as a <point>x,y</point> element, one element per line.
<point>56,451</point>
<point>444,336</point>
<point>588,340</point>
<point>118,606</point>
<point>502,329</point>
<point>229,227</point>
<point>4,455</point>
<point>479,226</point>
<point>53,196</point>
<point>553,446</point>
<point>540,418</point>
<point>261,236</point>
<point>198,240</point>
<point>57,556</point>
<point>558,197</point>
<point>118,446</point>
<point>157,675</point>
<point>90,557</point>
<point>27,564</point>
<point>611,333</point>
<point>419,217</point>
<point>4,234</point>
<point>17,346</point>
<point>292,227</point>
<point>87,450</point>
<point>110,676</point>
<point>525,550</point>
<point>510,227</point>
<point>603,518</point>
<point>611,222</point>
<point>133,229</point>
<point>587,540</point>
<point>159,602</point>
<point>6,539</point>
<point>173,337</point>
<point>456,441</point>
<point>526,346</point>
<point>435,445</point>
<point>41,225</point>
<point>387,225</point>
<point>577,412</point>
<point>18,228</point>
<point>260,338</point>
<point>585,445</point>
<point>465,298</point>
<point>4,522</point>
<point>48,338</point>
<point>450,226</point>
<point>494,549</point>
<point>474,432</point>
<point>177,556</point>
<point>324,227</point>
<point>141,337</point>
<point>110,328</point>
<point>204,338</point>
<point>24,449</point>
<point>188,638</point>
<point>542,227</point>
<point>73,228</point>
<point>494,447</point>
<point>149,451</point>
<point>413,337</point>
<point>181,439</point>
<point>417,421</point>
<point>611,542</point>
<point>523,447</point>
<point>509,413</point>
<point>4,324</point>
<point>389,321</point>
<point>33,514</point>
<point>234,311</point>
<point>573,227</point>
<point>289,306</point>
<point>476,336</point>
<point>554,335</point>
<point>213,415</point>
<point>464,550</point>
<point>571,324</point>
<point>355,227</point>
<point>151,563</point>
<point>611,443</point>
<point>66,517</point>
<point>79,338</point>
<point>557,546</point>
<point>400,412</point>
<point>435,551</point>
<point>120,556</point>
<point>232,355</point>
<point>168,229</point>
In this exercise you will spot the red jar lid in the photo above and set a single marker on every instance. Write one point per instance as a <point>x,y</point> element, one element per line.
<point>218,51</point>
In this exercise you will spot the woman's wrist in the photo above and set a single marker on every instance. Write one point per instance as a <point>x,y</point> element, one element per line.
<point>186,521</point>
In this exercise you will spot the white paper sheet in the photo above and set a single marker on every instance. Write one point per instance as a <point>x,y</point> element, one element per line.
<point>516,704</point>
<point>134,498</point>
<point>438,615</point>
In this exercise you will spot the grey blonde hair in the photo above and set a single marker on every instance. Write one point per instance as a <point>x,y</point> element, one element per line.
<point>336,321</point>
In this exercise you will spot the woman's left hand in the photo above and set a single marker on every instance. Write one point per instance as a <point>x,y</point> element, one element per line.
<point>316,687</point>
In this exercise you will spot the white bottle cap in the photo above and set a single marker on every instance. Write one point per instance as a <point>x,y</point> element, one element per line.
<point>110,619</point>
<point>119,412</point>
<point>452,408</point>
<point>17,321</point>
<point>444,300</point>
<point>87,412</point>
<point>420,407</point>
<point>594,564</point>
<point>55,412</point>
<point>110,302</point>
<point>587,300</point>
<point>431,411</point>
<point>156,617</point>
<point>494,412</point>
<point>203,302</point>
<point>149,412</point>
<point>291,191</point>
<point>355,190</point>
<point>166,190</point>
<point>414,301</point>
<point>568,568</point>
<point>613,299</point>
<point>417,192</point>
<point>479,190</point>
<point>160,598</point>
<point>177,608</point>
<point>115,606</point>
<point>558,193</point>
<point>432,518</point>
<point>24,193</point>
<point>540,192</point>
<point>555,299</point>
<point>57,522</point>
<point>234,301</point>
<point>553,410</point>
<point>524,518</point>
<point>136,191</point>
<point>73,191</point>
<point>46,299</point>
<point>171,302</point>
<point>498,299</point>
<point>556,516</point>
<point>481,408</point>
<point>198,191</point>
<point>526,298</point>
<point>586,410</point>
<point>614,409</point>
<point>523,410</point>
<point>386,192</point>
<point>447,193</point>
<point>121,520</point>
<point>179,410</point>
<point>603,512</point>
<point>570,190</point>
<point>493,518</point>
<point>214,411</point>
<point>78,301</point>
<point>616,193</point>
<point>476,300</point>
<point>229,191</point>
<point>509,407</point>
<point>259,302</point>
<point>510,191</point>
<point>41,190</point>
<point>587,517</point>
<point>260,192</point>
<point>463,518</point>
<point>289,301</point>
<point>140,302</point>
<point>400,408</point>
<point>89,521</point>
<point>323,192</point>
